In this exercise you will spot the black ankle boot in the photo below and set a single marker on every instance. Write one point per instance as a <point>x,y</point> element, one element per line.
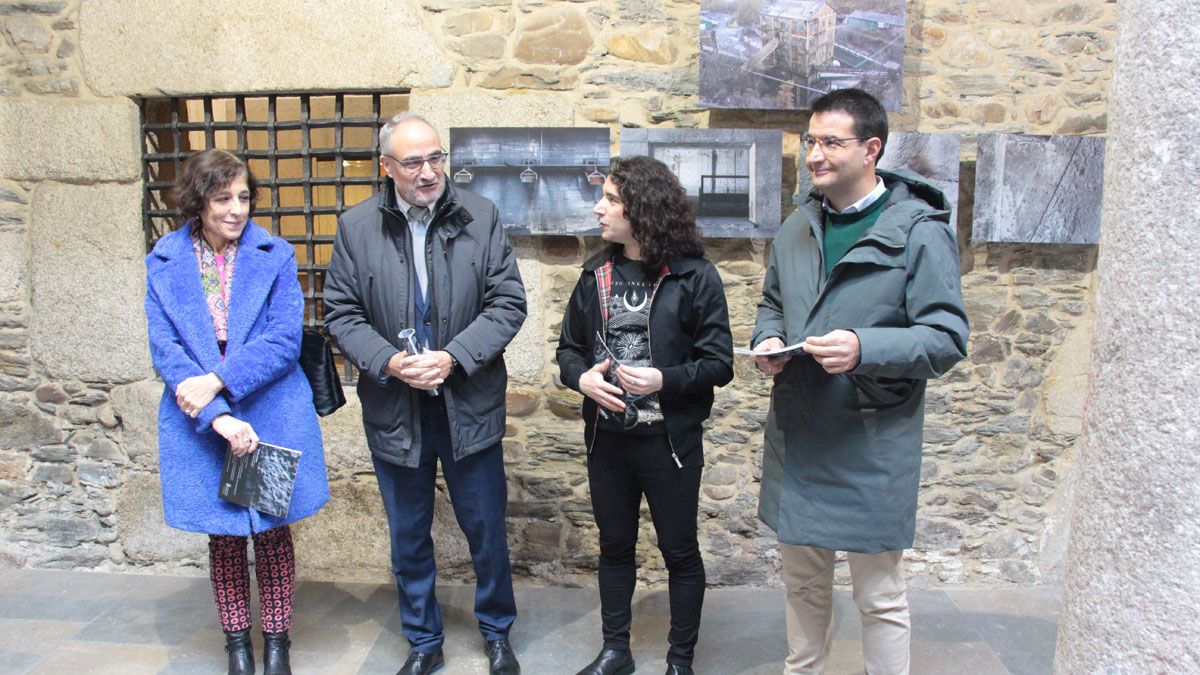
<point>275,654</point>
<point>241,652</point>
<point>610,662</point>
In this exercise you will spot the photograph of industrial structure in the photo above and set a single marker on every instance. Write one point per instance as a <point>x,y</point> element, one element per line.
<point>544,180</point>
<point>934,157</point>
<point>782,54</point>
<point>732,176</point>
<point>1039,189</point>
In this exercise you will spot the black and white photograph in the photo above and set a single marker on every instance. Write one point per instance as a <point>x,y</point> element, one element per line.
<point>1039,189</point>
<point>731,176</point>
<point>934,157</point>
<point>544,180</point>
<point>783,54</point>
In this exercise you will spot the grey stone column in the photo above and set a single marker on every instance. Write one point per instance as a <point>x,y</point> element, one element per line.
<point>1132,590</point>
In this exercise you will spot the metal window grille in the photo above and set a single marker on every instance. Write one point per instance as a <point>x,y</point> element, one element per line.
<point>313,155</point>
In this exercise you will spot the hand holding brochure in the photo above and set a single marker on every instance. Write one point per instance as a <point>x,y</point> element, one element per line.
<point>742,351</point>
<point>262,480</point>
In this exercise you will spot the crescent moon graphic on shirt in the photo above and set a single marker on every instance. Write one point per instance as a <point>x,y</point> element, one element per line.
<point>635,308</point>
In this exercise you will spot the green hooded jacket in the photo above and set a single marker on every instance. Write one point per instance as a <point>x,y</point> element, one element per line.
<point>842,453</point>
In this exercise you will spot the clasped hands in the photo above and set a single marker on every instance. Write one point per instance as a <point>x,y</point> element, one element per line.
<point>836,351</point>
<point>638,381</point>
<point>420,371</point>
<point>196,392</point>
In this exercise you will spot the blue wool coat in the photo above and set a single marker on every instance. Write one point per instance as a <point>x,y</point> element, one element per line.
<point>264,383</point>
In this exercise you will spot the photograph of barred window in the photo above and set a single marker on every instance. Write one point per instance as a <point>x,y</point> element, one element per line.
<point>783,54</point>
<point>731,176</point>
<point>544,180</point>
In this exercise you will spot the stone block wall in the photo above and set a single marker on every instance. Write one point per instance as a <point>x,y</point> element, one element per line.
<point>78,452</point>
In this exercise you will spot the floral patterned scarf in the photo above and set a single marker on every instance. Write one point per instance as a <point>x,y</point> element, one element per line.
<point>216,278</point>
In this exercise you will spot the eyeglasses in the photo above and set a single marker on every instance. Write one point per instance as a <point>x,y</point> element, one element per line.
<point>828,144</point>
<point>436,161</point>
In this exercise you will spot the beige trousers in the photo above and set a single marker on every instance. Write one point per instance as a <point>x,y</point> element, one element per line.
<point>879,592</point>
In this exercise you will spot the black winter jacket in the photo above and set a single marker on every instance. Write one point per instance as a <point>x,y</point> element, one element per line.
<point>478,297</point>
<point>690,343</point>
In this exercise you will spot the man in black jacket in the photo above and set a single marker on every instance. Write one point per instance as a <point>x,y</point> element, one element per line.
<point>646,340</point>
<point>422,254</point>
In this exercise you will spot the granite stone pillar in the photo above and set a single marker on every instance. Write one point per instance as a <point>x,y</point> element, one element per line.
<point>1133,563</point>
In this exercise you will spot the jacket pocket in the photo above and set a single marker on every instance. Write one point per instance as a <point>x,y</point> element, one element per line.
<point>381,405</point>
<point>882,392</point>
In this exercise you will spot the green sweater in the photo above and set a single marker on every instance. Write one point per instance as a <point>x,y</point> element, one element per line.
<point>841,231</point>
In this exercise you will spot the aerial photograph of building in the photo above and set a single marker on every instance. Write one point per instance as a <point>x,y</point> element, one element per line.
<point>782,54</point>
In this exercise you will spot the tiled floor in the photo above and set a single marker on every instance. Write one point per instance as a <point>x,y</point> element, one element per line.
<point>81,622</point>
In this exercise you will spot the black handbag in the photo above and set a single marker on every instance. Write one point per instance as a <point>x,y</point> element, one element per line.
<point>316,359</point>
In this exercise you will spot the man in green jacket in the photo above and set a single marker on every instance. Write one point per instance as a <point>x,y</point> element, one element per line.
<point>864,276</point>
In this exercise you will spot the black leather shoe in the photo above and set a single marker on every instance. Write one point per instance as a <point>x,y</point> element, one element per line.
<point>241,652</point>
<point>422,663</point>
<point>501,659</point>
<point>610,662</point>
<point>676,669</point>
<point>275,654</point>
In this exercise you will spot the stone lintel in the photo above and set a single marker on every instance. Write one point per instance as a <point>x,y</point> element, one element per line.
<point>56,139</point>
<point>202,47</point>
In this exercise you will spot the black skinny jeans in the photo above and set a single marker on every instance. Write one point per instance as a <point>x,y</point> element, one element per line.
<point>622,468</point>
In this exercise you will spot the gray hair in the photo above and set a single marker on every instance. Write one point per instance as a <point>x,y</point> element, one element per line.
<point>385,132</point>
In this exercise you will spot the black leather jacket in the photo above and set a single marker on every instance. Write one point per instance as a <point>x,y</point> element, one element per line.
<point>690,343</point>
<point>478,298</point>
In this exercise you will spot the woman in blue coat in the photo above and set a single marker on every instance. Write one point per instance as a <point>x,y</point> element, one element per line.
<point>225,315</point>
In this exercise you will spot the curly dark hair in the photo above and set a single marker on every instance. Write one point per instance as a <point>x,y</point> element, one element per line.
<point>203,175</point>
<point>659,214</point>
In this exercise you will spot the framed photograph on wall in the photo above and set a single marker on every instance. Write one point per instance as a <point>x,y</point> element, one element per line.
<point>544,180</point>
<point>1039,189</point>
<point>732,176</point>
<point>782,54</point>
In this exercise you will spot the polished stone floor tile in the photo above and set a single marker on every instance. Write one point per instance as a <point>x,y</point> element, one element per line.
<point>76,596</point>
<point>24,643</point>
<point>172,620</point>
<point>953,658</point>
<point>1020,624</point>
<point>81,623</point>
<point>327,643</point>
<point>350,601</point>
<point>20,634</point>
<point>17,663</point>
<point>204,654</point>
<point>103,659</point>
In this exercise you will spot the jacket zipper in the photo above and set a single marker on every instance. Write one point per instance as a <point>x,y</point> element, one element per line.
<point>596,422</point>
<point>650,348</point>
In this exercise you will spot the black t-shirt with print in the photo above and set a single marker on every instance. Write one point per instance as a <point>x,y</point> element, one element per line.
<point>628,336</point>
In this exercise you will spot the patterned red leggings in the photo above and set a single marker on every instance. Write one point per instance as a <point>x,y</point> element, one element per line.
<point>275,567</point>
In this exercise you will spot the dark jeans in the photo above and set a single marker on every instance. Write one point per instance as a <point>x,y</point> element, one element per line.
<point>480,497</point>
<point>622,468</point>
